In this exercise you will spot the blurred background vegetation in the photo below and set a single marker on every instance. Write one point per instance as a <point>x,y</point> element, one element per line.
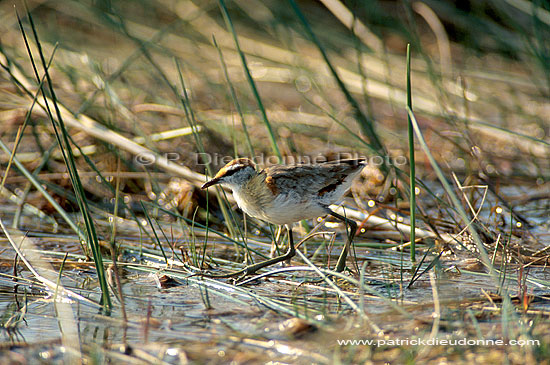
<point>480,80</point>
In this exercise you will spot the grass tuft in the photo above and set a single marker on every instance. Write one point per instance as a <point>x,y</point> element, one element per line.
<point>66,150</point>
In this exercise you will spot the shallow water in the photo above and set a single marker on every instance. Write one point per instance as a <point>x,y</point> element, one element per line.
<point>216,321</point>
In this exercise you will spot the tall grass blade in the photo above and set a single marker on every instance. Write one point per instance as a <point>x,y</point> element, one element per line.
<point>270,131</point>
<point>412,175</point>
<point>234,98</point>
<point>66,151</point>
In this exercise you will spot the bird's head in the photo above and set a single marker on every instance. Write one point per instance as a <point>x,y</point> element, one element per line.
<point>233,175</point>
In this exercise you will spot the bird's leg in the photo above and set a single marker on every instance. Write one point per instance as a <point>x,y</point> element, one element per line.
<point>251,269</point>
<point>341,264</point>
<point>275,243</point>
<point>291,249</point>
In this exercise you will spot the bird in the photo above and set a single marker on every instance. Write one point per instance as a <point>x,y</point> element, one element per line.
<point>285,194</point>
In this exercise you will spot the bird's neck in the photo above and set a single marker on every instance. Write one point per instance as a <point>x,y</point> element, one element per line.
<point>251,189</point>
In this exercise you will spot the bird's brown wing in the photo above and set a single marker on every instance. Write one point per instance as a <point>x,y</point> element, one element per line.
<point>310,179</point>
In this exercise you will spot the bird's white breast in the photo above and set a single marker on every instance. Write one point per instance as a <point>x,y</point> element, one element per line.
<point>280,209</point>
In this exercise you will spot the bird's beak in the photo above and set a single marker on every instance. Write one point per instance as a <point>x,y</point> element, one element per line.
<point>214,181</point>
